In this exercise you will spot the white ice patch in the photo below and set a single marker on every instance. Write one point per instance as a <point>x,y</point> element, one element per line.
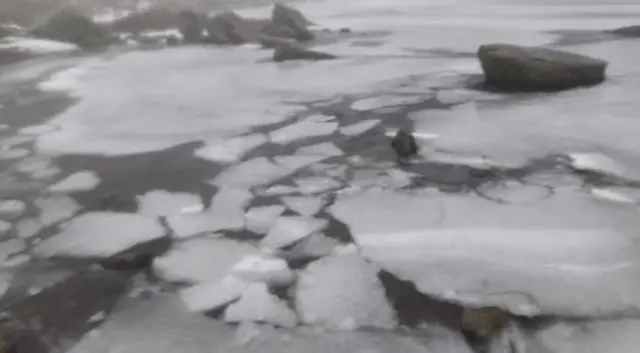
<point>600,163</point>
<point>213,295</point>
<point>12,208</point>
<point>304,205</point>
<point>37,168</point>
<point>315,246</point>
<point>165,203</point>
<point>359,128</point>
<point>260,219</point>
<point>100,234</point>
<point>290,229</point>
<point>263,269</point>
<point>251,173</point>
<point>38,129</point>
<point>230,150</point>
<point>299,161</point>
<point>309,127</point>
<point>277,190</point>
<point>4,227</point>
<point>35,45</point>
<point>226,212</point>
<point>314,185</point>
<point>80,181</point>
<point>343,292</point>
<point>13,153</point>
<point>55,209</point>
<point>323,149</point>
<point>258,305</point>
<point>613,195</point>
<point>564,255</point>
<point>28,227</point>
<point>9,248</point>
<point>170,32</point>
<point>384,101</point>
<point>201,260</point>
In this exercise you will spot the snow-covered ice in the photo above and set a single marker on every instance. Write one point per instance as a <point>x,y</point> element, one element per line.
<point>314,185</point>
<point>79,181</point>
<point>201,260</point>
<point>37,129</point>
<point>299,161</point>
<point>226,212</point>
<point>254,268</point>
<point>343,292</point>
<point>35,45</point>
<point>254,172</point>
<point>230,150</point>
<point>384,101</point>
<point>165,203</point>
<point>12,208</point>
<point>323,148</point>
<point>260,219</point>
<point>213,295</point>
<point>309,127</point>
<point>100,234</point>
<point>359,128</point>
<point>304,205</point>
<point>55,209</point>
<point>258,305</point>
<point>37,168</point>
<point>290,229</point>
<point>601,163</point>
<point>315,246</point>
<point>276,190</point>
<point>28,227</point>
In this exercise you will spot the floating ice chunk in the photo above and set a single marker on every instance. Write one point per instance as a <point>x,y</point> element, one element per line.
<point>201,260</point>
<point>258,305</point>
<point>8,251</point>
<point>4,227</point>
<point>515,192</point>
<point>100,234</point>
<point>12,208</point>
<point>290,229</point>
<point>226,212</point>
<point>321,298</point>
<point>165,203</point>
<point>304,205</point>
<point>28,227</point>
<point>611,194</point>
<point>384,101</point>
<point>296,162</point>
<point>316,185</point>
<point>611,336</point>
<point>37,168</point>
<point>600,163</point>
<point>230,150</point>
<point>213,295</point>
<point>38,129</point>
<point>359,128</point>
<point>262,269</point>
<point>315,246</point>
<point>309,127</point>
<point>324,149</point>
<point>13,153</point>
<point>35,45</point>
<point>260,219</point>
<point>56,208</point>
<point>80,181</point>
<point>169,32</point>
<point>254,172</point>
<point>5,282</point>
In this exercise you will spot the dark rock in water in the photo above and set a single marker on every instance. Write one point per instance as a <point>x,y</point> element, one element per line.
<point>138,258</point>
<point>287,51</point>
<point>518,68</point>
<point>156,18</point>
<point>229,28</point>
<point>272,42</point>
<point>404,144</point>
<point>484,323</point>
<point>72,27</point>
<point>630,31</point>
<point>286,16</point>
<point>345,30</point>
<point>191,25</point>
<point>172,40</point>
<point>279,31</point>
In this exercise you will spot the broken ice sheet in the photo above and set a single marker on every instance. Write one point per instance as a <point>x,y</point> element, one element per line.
<point>601,163</point>
<point>165,203</point>
<point>11,208</point>
<point>385,101</point>
<point>260,219</point>
<point>10,247</point>
<point>80,181</point>
<point>359,128</point>
<point>213,295</point>
<point>564,255</point>
<point>100,234</point>
<point>290,229</point>
<point>257,304</point>
<point>304,205</point>
<point>343,292</point>
<point>253,268</point>
<point>308,127</point>
<point>201,260</point>
<point>254,172</point>
<point>623,195</point>
<point>54,209</point>
<point>231,149</point>
<point>315,246</point>
<point>226,212</point>
<point>324,149</point>
<point>28,227</point>
<point>314,185</point>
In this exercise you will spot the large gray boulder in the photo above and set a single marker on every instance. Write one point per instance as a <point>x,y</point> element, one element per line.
<point>70,26</point>
<point>520,68</point>
<point>284,16</point>
<point>229,28</point>
<point>288,51</point>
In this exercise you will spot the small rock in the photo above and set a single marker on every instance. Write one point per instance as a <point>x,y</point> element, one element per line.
<point>484,323</point>
<point>286,52</point>
<point>229,28</point>
<point>70,26</point>
<point>519,68</point>
<point>404,144</point>
<point>273,42</point>
<point>286,16</point>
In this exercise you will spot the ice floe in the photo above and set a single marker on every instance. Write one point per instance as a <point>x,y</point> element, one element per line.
<point>277,190</point>
<point>359,128</point>
<point>260,219</point>
<point>384,101</point>
<point>13,153</point>
<point>258,305</point>
<point>35,45</point>
<point>165,203</point>
<point>201,260</point>
<point>8,249</point>
<point>230,150</point>
<point>254,172</point>
<point>263,269</point>
<point>600,163</point>
<point>213,295</point>
<point>37,129</point>
<point>304,205</point>
<point>37,168</point>
<point>4,227</point>
<point>314,246</point>
<point>309,127</point>
<point>290,229</point>
<point>12,208</point>
<point>343,292</point>
<point>226,212</point>
<point>79,181</point>
<point>100,234</point>
<point>55,209</point>
<point>28,227</point>
<point>314,185</point>
<point>324,149</point>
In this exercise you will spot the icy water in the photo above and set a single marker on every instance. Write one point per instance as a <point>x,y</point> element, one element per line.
<point>267,197</point>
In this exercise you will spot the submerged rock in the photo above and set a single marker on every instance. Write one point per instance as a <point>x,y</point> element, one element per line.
<point>70,26</point>
<point>520,68</point>
<point>288,17</point>
<point>289,51</point>
<point>484,322</point>
<point>404,144</point>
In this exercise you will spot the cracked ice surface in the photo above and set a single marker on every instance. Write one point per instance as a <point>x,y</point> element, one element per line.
<point>165,203</point>
<point>258,305</point>
<point>309,127</point>
<point>230,150</point>
<point>290,229</point>
<point>567,254</point>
